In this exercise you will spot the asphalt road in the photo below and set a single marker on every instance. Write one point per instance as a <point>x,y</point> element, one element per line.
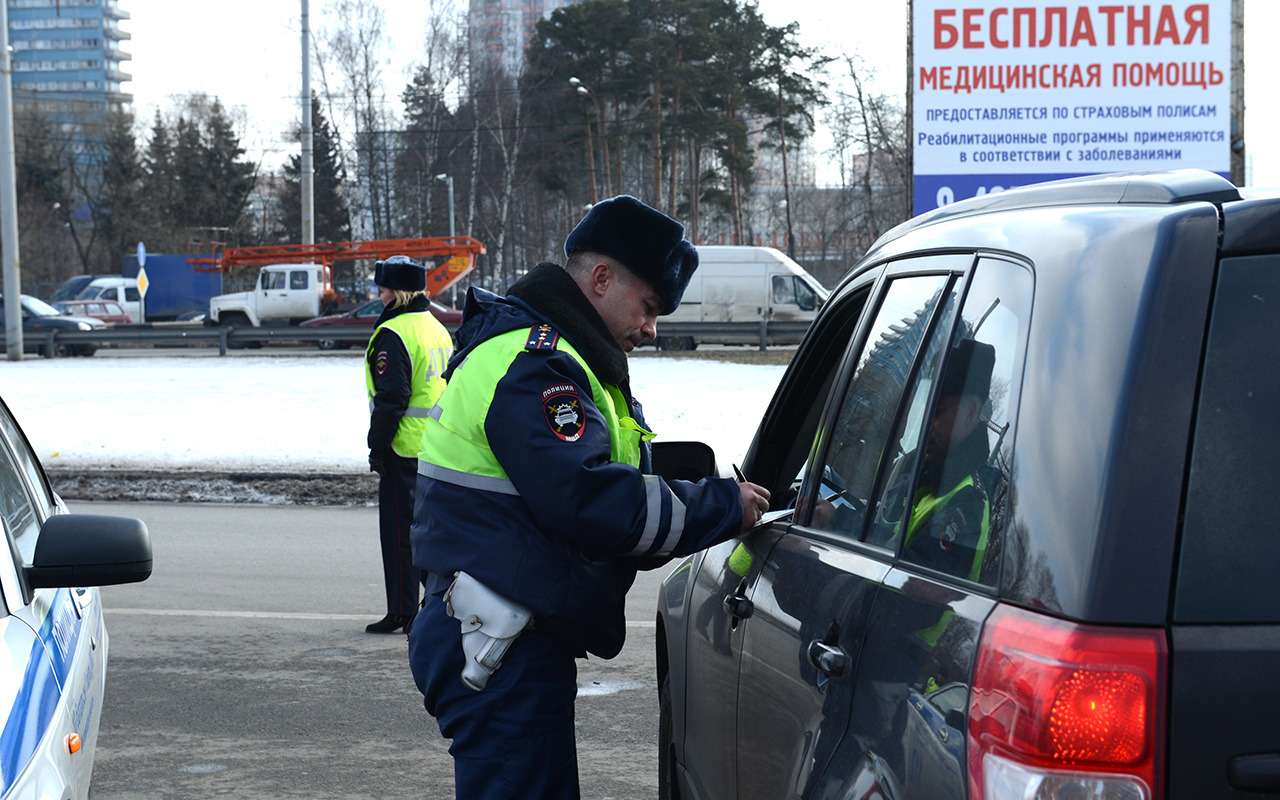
<point>241,668</point>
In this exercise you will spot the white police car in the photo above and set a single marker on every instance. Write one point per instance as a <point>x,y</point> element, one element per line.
<point>53,646</point>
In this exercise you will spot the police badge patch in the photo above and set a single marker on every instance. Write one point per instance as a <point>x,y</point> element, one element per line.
<point>563,411</point>
<point>381,361</point>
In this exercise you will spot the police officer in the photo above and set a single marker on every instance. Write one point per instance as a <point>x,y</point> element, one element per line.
<point>405,359</point>
<point>533,480</point>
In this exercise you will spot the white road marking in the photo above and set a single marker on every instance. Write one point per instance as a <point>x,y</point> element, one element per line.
<point>288,615</point>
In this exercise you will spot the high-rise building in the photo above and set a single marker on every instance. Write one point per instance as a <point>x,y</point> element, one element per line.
<point>501,30</point>
<point>67,58</point>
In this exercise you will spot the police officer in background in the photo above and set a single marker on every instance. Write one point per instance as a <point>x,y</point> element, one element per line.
<point>404,362</point>
<point>534,494</point>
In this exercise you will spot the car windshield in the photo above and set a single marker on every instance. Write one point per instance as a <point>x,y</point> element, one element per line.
<point>39,308</point>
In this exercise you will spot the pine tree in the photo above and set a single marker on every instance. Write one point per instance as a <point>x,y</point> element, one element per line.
<point>120,208</point>
<point>227,176</point>
<point>160,188</point>
<point>332,218</point>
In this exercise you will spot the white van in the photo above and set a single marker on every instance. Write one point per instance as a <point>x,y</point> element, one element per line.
<point>744,284</point>
<point>116,290</point>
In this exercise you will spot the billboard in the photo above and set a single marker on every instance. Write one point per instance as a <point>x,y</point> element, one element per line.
<point>1005,94</point>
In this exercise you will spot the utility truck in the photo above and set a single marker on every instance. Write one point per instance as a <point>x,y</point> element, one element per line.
<point>285,294</point>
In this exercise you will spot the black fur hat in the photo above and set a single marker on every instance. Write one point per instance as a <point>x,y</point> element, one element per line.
<point>646,241</point>
<point>400,272</point>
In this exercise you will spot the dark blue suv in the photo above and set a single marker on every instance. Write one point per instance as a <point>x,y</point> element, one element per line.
<point>1029,546</point>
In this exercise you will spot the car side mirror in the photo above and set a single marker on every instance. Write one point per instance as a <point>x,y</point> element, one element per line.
<point>683,461</point>
<point>90,550</point>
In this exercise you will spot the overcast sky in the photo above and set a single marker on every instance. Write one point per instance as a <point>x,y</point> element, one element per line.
<point>246,52</point>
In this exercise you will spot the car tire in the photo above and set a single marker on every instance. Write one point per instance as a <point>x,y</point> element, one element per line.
<point>327,344</point>
<point>668,789</point>
<point>234,320</point>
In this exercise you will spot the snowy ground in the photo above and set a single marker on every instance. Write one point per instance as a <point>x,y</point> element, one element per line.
<point>293,413</point>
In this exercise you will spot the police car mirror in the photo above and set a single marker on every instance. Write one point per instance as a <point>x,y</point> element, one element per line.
<point>90,550</point>
<point>683,461</point>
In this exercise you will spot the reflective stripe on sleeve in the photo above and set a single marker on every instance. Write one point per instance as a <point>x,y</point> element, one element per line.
<point>466,479</point>
<point>677,526</point>
<point>652,514</point>
<point>423,413</point>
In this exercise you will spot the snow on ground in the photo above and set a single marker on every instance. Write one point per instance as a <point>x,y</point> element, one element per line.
<point>304,413</point>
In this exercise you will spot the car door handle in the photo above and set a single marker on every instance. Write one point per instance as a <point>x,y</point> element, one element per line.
<point>1258,773</point>
<point>828,659</point>
<point>737,605</point>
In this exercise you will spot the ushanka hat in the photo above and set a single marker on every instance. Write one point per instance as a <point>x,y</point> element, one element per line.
<point>647,242</point>
<point>400,272</point>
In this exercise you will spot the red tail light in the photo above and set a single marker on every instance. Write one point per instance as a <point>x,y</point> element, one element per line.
<point>1060,710</point>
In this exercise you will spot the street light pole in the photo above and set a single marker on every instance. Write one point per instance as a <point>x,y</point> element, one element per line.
<point>9,200</point>
<point>591,150</point>
<point>448,179</point>
<point>307,167</point>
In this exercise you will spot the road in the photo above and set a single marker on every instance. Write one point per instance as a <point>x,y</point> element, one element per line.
<point>242,668</point>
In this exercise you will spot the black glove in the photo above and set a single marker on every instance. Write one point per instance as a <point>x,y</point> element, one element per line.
<point>375,461</point>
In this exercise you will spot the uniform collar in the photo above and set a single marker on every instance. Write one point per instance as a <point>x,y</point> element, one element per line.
<point>417,304</point>
<point>549,291</point>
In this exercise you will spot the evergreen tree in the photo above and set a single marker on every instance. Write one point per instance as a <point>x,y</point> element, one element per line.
<point>160,190</point>
<point>119,211</point>
<point>332,218</point>
<point>191,184</point>
<point>227,177</point>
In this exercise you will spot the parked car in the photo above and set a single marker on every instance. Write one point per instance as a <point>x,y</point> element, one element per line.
<point>123,291</point>
<point>73,286</point>
<point>39,317</point>
<point>55,645</point>
<point>366,314</point>
<point>744,284</point>
<point>1024,545</point>
<point>108,312</point>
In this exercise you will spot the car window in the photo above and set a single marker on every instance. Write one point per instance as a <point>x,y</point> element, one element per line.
<point>1230,545</point>
<point>27,461</point>
<point>109,292</point>
<point>273,280</point>
<point>893,491</point>
<point>17,507</point>
<point>371,309</point>
<point>870,402</point>
<point>958,508</point>
<point>298,279</point>
<point>131,295</point>
<point>806,298</point>
<point>784,290</point>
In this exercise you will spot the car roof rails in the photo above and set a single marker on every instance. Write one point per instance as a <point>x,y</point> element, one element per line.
<point>1122,188</point>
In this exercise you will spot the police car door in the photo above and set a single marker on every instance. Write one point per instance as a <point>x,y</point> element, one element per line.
<point>52,680</point>
<point>813,597</point>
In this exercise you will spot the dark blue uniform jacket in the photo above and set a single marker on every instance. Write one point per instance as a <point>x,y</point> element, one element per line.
<point>569,544</point>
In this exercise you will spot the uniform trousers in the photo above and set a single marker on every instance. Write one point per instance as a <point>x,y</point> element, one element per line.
<point>396,482</point>
<point>513,739</point>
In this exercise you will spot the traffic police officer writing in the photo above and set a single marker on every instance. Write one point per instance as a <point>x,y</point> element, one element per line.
<point>404,362</point>
<point>535,508</point>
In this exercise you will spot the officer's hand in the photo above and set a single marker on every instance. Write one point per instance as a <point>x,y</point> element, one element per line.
<point>375,462</point>
<point>755,501</point>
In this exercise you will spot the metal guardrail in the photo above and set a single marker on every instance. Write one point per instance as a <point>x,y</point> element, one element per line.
<point>49,343</point>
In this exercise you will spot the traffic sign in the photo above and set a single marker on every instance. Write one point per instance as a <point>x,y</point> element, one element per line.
<point>143,282</point>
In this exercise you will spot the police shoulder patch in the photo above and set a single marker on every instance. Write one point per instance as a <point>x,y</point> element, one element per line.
<point>562,408</point>
<point>381,361</point>
<point>542,337</point>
